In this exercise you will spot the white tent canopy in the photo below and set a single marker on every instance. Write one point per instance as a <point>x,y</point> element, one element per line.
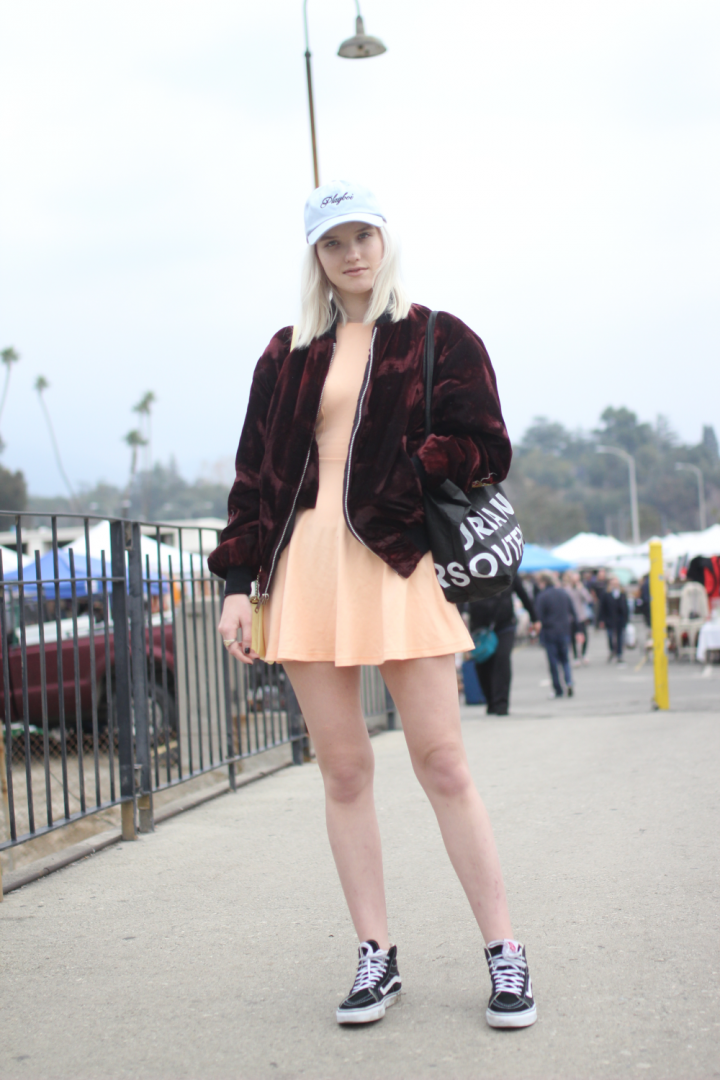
<point>158,554</point>
<point>690,544</point>
<point>590,549</point>
<point>9,559</point>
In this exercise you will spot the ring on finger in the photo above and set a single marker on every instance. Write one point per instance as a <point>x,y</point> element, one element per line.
<point>229,642</point>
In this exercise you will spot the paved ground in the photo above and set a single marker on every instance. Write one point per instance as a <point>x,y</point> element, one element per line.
<point>219,946</point>
<point>605,688</point>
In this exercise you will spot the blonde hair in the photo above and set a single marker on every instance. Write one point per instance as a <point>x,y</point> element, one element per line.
<point>321,304</point>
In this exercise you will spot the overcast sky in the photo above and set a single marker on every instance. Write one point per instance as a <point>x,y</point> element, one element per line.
<point>551,168</point>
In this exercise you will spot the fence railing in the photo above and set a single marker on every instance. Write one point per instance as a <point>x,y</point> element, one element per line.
<point>115,684</point>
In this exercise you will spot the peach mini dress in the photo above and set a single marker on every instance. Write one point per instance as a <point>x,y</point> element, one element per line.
<point>332,598</point>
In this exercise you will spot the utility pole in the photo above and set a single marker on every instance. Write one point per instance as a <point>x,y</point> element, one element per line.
<point>630,462</point>
<point>686,466</point>
<point>358,47</point>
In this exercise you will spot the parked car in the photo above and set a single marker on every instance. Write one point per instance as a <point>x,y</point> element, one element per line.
<point>77,671</point>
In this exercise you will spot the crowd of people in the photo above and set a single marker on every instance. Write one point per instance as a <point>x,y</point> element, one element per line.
<point>561,610</point>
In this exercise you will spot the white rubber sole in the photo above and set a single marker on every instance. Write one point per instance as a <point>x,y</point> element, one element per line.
<point>511,1020</point>
<point>365,1016</point>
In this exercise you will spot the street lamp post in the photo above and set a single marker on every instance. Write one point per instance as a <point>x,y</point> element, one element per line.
<point>684,465</point>
<point>630,461</point>
<point>358,47</point>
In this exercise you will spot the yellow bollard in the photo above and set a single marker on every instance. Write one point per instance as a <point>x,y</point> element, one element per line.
<point>658,616</point>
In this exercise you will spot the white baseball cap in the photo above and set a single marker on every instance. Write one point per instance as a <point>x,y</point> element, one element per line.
<point>338,202</point>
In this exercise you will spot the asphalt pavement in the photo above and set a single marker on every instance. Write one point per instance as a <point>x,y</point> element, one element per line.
<point>219,946</point>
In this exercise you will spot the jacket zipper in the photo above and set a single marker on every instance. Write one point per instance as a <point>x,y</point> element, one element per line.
<point>356,425</point>
<point>278,547</point>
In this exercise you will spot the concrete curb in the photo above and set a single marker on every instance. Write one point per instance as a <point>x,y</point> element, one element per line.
<point>13,880</point>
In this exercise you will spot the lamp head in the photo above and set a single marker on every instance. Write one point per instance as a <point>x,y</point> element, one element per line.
<point>361,45</point>
<point>613,450</point>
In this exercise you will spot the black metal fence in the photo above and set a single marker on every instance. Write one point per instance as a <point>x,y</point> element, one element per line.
<point>115,684</point>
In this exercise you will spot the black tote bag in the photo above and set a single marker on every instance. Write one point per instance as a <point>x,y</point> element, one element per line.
<point>475,539</point>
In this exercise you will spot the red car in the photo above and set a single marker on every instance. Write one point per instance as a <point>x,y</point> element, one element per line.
<point>162,646</point>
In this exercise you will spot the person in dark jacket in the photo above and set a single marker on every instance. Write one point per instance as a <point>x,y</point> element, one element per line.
<point>555,613</point>
<point>614,617</point>
<point>597,586</point>
<point>643,602</point>
<point>498,613</point>
<point>326,534</point>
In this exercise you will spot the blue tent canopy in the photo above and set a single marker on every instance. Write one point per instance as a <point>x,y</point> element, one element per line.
<point>47,576</point>
<point>536,558</point>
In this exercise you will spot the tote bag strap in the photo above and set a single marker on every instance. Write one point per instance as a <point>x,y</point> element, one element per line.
<point>429,370</point>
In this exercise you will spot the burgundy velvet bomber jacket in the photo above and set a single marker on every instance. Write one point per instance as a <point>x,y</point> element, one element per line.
<point>389,459</point>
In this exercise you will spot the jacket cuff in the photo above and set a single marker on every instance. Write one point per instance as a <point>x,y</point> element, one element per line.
<point>418,536</point>
<point>239,579</point>
<point>428,481</point>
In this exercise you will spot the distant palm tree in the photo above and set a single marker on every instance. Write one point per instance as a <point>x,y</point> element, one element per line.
<point>8,357</point>
<point>134,440</point>
<point>144,410</point>
<point>41,384</point>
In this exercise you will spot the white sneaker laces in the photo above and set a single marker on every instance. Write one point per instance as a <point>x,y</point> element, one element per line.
<point>371,970</point>
<point>508,976</point>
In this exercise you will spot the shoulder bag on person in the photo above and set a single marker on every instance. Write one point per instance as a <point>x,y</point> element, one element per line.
<point>485,642</point>
<point>475,539</point>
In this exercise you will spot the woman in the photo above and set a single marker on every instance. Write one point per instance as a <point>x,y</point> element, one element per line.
<point>326,527</point>
<point>582,605</point>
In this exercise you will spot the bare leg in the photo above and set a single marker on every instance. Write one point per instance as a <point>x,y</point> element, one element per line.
<point>425,692</point>
<point>330,701</point>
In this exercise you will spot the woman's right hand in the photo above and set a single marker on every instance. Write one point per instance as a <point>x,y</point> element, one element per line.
<point>237,615</point>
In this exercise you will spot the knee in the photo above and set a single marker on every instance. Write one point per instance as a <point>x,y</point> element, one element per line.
<point>348,777</point>
<point>444,771</point>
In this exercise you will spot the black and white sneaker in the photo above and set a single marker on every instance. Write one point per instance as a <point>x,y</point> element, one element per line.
<point>377,985</point>
<point>511,1002</point>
